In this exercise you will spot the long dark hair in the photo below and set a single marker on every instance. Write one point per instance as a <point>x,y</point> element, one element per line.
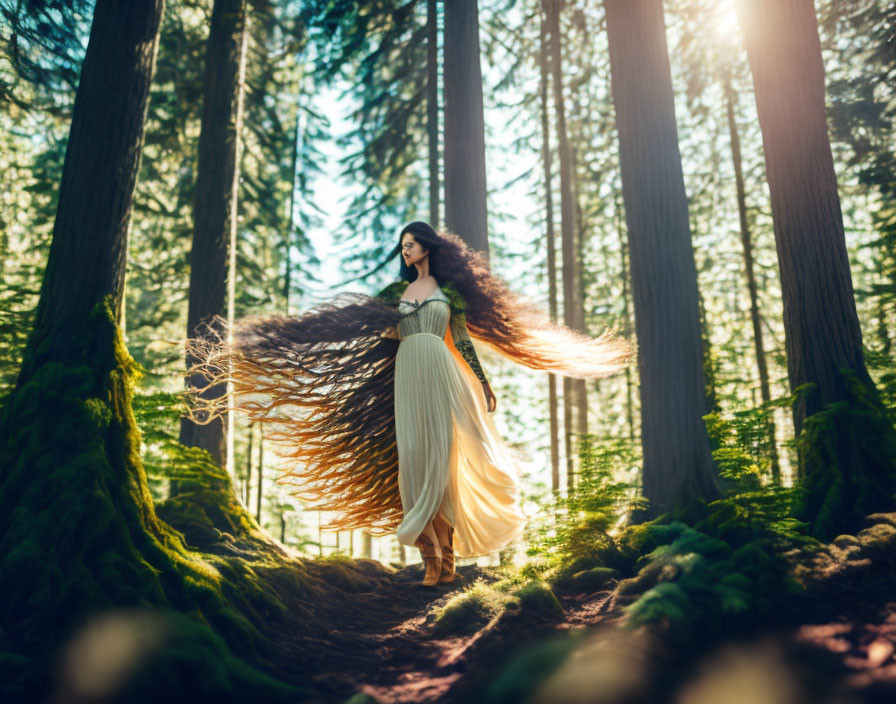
<point>321,384</point>
<point>515,326</point>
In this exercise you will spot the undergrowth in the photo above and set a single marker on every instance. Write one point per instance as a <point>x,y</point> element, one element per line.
<point>702,570</point>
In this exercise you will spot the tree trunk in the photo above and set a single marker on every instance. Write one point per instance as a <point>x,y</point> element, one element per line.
<point>86,263</point>
<point>214,216</point>
<point>290,221</point>
<point>260,474</point>
<point>571,302</point>
<point>79,534</point>
<point>568,447</point>
<point>709,372</point>
<point>249,466</point>
<point>432,107</point>
<point>848,453</point>
<point>551,254</point>
<point>883,334</point>
<point>747,242</point>
<point>627,324</point>
<point>465,189</point>
<point>580,388</point>
<point>678,464</point>
<point>366,545</point>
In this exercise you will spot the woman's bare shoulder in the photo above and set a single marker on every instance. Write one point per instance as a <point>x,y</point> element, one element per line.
<point>423,288</point>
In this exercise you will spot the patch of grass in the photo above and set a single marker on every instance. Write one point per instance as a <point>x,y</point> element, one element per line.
<point>470,610</point>
<point>536,597</point>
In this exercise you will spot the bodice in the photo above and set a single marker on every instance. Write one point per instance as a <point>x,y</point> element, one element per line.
<point>430,316</point>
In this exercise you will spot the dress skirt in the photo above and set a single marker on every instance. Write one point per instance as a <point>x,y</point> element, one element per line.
<point>450,456</point>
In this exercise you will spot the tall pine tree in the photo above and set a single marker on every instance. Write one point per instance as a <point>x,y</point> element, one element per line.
<point>847,443</point>
<point>678,464</point>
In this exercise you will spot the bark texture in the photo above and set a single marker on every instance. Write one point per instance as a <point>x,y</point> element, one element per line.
<point>678,464</point>
<point>465,188</point>
<point>549,246</point>
<point>87,255</point>
<point>79,535</point>
<point>746,238</point>
<point>574,396</point>
<point>432,108</point>
<point>847,450</point>
<point>214,216</point>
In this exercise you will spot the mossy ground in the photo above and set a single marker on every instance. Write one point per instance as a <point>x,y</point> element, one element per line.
<point>847,461</point>
<point>80,538</point>
<point>717,585</point>
<point>205,596</point>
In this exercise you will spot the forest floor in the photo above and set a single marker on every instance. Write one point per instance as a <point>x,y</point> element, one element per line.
<point>385,646</point>
<point>364,632</point>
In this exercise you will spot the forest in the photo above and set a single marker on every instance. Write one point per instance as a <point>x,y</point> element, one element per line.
<point>713,180</point>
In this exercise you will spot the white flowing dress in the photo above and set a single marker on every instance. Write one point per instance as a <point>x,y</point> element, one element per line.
<point>450,456</point>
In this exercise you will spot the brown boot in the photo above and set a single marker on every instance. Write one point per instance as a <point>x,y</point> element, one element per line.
<point>447,574</point>
<point>432,560</point>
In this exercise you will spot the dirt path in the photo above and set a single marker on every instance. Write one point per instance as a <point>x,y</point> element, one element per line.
<point>381,641</point>
<point>382,645</point>
<point>410,664</point>
<point>356,627</point>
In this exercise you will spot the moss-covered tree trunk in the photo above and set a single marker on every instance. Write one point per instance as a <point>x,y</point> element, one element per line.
<point>678,464</point>
<point>215,210</point>
<point>78,533</point>
<point>848,450</point>
<point>465,194</point>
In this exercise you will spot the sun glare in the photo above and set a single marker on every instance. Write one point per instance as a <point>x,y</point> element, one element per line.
<point>724,22</point>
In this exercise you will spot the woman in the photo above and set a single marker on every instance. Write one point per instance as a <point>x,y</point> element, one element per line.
<point>381,407</point>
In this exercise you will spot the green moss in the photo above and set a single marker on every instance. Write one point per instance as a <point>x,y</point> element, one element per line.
<point>348,574</point>
<point>164,650</point>
<point>78,533</point>
<point>701,587</point>
<point>878,540</point>
<point>99,412</point>
<point>847,455</point>
<point>469,611</point>
<point>594,579</point>
<point>536,597</point>
<point>562,575</point>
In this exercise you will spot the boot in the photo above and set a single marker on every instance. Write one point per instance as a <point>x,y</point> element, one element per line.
<point>432,560</point>
<point>447,574</point>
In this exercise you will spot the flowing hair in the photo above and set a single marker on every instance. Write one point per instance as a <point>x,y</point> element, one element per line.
<point>321,385</point>
<point>516,327</point>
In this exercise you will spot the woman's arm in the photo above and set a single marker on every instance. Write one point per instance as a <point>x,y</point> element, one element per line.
<point>464,345</point>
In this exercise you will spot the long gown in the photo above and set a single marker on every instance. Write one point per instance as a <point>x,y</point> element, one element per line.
<point>450,455</point>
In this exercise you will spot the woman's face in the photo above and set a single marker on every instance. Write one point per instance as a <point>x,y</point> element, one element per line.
<point>412,251</point>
